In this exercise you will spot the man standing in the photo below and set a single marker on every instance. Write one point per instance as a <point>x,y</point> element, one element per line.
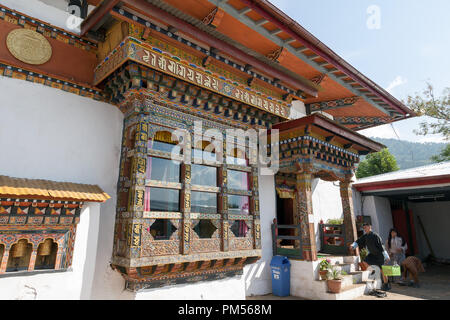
<point>377,254</point>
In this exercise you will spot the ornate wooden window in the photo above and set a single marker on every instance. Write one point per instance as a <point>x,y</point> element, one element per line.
<point>203,202</point>
<point>238,204</point>
<point>238,180</point>
<point>197,215</point>
<point>204,175</point>
<point>162,229</point>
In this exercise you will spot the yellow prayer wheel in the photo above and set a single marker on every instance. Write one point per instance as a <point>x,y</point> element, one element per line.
<point>45,248</point>
<point>19,249</point>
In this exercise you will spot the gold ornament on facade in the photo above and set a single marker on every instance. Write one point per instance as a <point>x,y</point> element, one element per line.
<point>29,46</point>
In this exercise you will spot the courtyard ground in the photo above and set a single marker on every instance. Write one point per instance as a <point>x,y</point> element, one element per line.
<point>435,285</point>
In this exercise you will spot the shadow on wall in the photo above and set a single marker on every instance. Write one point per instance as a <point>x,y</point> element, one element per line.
<point>257,278</point>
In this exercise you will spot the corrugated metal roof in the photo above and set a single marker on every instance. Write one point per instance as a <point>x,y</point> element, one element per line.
<point>46,189</point>
<point>432,170</point>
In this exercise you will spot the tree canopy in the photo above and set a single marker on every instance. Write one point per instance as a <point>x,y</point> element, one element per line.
<point>443,156</point>
<point>429,105</point>
<point>377,163</point>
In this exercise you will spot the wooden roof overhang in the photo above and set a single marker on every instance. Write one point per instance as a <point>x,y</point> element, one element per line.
<point>21,188</point>
<point>406,183</point>
<point>260,37</point>
<point>320,146</point>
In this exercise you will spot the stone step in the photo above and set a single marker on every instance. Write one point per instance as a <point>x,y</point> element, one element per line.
<point>347,267</point>
<point>341,259</point>
<point>360,276</point>
<point>351,259</point>
<point>333,259</point>
<point>347,293</point>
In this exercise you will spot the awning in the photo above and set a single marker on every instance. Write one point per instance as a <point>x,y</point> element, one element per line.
<point>50,190</point>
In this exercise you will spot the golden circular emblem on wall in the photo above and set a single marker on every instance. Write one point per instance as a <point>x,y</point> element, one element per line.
<point>29,46</point>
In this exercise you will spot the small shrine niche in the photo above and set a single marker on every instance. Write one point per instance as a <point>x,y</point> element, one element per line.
<point>46,255</point>
<point>19,256</point>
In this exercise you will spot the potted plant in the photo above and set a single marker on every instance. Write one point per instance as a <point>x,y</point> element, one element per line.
<point>362,255</point>
<point>324,266</point>
<point>334,281</point>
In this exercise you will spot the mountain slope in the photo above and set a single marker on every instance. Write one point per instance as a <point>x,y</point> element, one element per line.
<point>411,154</point>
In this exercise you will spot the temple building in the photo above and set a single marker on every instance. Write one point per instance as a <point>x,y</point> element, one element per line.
<point>100,200</point>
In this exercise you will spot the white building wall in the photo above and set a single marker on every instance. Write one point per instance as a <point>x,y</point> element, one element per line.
<point>327,204</point>
<point>379,210</point>
<point>257,276</point>
<point>49,134</point>
<point>435,218</point>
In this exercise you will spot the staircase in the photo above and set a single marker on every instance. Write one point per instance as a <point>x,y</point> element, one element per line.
<point>355,284</point>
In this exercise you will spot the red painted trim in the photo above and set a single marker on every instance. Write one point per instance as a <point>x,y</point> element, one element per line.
<point>402,183</point>
<point>271,13</point>
<point>333,127</point>
<point>150,10</point>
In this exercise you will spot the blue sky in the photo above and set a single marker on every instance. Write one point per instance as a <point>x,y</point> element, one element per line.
<point>411,46</point>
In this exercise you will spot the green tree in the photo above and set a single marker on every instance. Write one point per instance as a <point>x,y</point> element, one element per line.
<point>443,156</point>
<point>429,105</point>
<point>377,163</point>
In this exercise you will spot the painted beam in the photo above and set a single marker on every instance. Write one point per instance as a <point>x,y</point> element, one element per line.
<point>353,120</point>
<point>275,32</point>
<point>290,40</point>
<point>145,8</point>
<point>332,104</point>
<point>244,11</point>
<point>261,22</point>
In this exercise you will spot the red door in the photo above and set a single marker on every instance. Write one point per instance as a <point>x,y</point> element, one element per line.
<point>400,223</point>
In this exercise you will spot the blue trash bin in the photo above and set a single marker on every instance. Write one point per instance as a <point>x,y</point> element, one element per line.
<point>281,276</point>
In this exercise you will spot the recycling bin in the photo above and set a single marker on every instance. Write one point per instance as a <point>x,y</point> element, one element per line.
<point>281,276</point>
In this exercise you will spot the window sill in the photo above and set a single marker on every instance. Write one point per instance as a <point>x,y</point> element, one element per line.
<point>32,273</point>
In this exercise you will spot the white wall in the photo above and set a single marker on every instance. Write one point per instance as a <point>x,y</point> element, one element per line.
<point>226,289</point>
<point>327,204</point>
<point>257,276</point>
<point>298,110</point>
<point>435,217</point>
<point>378,208</point>
<point>54,135</point>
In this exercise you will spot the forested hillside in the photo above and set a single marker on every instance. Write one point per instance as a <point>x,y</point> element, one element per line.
<point>411,154</point>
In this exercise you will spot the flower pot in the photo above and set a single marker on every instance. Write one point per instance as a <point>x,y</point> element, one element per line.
<point>323,274</point>
<point>363,266</point>
<point>334,286</point>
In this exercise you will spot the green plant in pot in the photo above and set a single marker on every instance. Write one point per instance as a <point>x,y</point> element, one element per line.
<point>362,255</point>
<point>335,221</point>
<point>334,281</point>
<point>324,267</point>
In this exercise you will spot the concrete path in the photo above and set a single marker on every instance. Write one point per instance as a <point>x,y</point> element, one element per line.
<point>435,285</point>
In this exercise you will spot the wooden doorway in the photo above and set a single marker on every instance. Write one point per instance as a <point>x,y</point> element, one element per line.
<point>285,216</point>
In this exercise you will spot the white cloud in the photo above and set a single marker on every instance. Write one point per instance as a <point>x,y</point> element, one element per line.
<point>398,81</point>
<point>383,131</point>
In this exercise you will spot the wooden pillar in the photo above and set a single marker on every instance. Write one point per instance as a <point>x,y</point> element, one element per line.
<point>223,206</point>
<point>59,257</point>
<point>185,204</point>
<point>304,216</point>
<point>4,260</point>
<point>33,258</point>
<point>255,209</point>
<point>349,216</point>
